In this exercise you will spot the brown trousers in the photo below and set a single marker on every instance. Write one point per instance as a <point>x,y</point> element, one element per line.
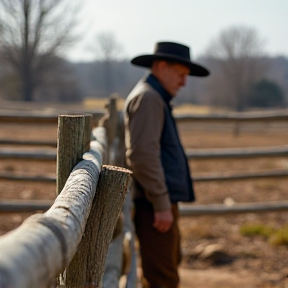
<point>160,252</point>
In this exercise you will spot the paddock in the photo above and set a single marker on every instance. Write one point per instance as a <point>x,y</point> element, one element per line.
<point>238,176</point>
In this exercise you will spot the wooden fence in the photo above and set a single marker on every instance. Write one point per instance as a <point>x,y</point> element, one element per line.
<point>51,244</point>
<point>47,154</point>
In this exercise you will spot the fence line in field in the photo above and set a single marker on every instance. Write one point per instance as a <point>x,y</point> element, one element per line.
<point>34,254</point>
<point>196,178</point>
<point>51,117</point>
<point>42,117</point>
<point>234,117</point>
<point>43,154</point>
<point>46,244</point>
<point>28,142</point>
<point>13,206</point>
<point>222,209</point>
<point>21,206</point>
<point>278,151</point>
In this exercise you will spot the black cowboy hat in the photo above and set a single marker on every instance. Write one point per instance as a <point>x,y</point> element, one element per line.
<point>172,52</point>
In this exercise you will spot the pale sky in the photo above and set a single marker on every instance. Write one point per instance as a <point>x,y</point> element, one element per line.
<point>139,24</point>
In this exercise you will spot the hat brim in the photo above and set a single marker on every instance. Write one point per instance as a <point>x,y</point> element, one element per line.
<point>147,61</point>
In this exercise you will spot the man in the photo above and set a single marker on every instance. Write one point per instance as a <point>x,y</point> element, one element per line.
<point>161,175</point>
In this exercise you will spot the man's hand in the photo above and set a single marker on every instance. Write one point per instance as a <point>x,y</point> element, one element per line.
<point>163,220</point>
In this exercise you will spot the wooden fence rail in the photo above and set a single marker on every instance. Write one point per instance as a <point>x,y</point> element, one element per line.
<point>43,117</point>
<point>185,210</point>
<point>222,209</point>
<point>28,142</point>
<point>196,178</point>
<point>44,154</point>
<point>16,177</point>
<point>34,254</point>
<point>52,243</point>
<point>20,206</point>
<point>241,176</point>
<point>277,151</point>
<point>235,117</point>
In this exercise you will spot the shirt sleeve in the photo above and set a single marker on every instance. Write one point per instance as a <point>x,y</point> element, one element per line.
<point>146,120</point>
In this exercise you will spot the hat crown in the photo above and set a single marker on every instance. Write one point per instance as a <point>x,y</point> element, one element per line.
<point>172,48</point>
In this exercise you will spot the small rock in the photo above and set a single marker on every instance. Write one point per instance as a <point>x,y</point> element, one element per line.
<point>27,194</point>
<point>229,201</point>
<point>211,250</point>
<point>216,254</point>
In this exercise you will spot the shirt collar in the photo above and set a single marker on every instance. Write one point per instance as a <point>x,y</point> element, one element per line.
<point>154,82</point>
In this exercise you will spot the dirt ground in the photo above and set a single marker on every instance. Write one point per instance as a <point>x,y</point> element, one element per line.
<point>244,261</point>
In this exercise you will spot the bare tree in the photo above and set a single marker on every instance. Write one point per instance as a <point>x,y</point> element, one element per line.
<point>33,34</point>
<point>107,49</point>
<point>238,53</point>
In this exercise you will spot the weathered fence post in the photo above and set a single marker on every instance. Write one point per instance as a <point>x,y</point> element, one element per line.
<point>110,122</point>
<point>34,254</point>
<point>75,130</point>
<point>87,267</point>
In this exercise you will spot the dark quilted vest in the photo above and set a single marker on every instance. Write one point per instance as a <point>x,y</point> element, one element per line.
<point>173,158</point>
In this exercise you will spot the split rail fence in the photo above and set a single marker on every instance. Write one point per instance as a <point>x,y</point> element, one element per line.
<point>67,245</point>
<point>49,247</point>
<point>236,118</point>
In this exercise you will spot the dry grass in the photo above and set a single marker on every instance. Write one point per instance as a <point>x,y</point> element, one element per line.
<point>99,103</point>
<point>268,262</point>
<point>196,109</point>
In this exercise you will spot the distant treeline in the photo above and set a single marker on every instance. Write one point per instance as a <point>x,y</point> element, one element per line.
<point>95,80</point>
<point>77,81</point>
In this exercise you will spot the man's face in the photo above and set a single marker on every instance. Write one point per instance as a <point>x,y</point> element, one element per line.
<point>173,76</point>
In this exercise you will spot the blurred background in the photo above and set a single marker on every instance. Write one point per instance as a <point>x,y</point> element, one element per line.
<point>63,51</point>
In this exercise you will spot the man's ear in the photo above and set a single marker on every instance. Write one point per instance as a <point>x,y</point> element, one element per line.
<point>159,68</point>
<point>162,64</point>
